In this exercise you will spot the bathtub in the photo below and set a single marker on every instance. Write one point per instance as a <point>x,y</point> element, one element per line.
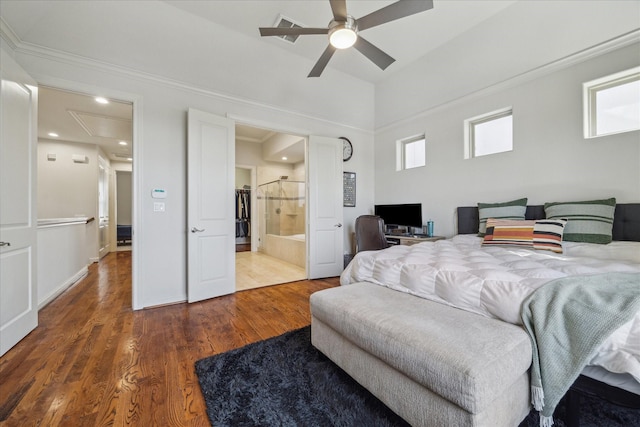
<point>291,249</point>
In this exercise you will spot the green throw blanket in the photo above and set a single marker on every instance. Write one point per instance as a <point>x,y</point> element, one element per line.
<point>568,319</point>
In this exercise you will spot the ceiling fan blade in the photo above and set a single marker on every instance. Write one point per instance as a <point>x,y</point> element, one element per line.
<point>322,62</point>
<point>339,9</point>
<point>376,55</point>
<point>394,11</point>
<point>296,31</point>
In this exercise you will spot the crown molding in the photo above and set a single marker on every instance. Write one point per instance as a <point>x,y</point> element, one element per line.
<point>7,34</point>
<point>31,49</point>
<point>535,73</point>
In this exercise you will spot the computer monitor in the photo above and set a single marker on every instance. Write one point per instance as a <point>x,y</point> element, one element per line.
<point>409,215</point>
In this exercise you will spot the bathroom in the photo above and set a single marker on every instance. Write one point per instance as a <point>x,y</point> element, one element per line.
<point>271,207</point>
<point>281,209</point>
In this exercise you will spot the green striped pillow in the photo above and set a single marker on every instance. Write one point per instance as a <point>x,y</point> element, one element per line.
<point>589,221</point>
<point>513,210</point>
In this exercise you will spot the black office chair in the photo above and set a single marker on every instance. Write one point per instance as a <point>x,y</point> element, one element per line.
<point>370,233</point>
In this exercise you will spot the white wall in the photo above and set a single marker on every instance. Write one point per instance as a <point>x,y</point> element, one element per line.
<point>67,189</point>
<point>62,261</point>
<point>243,177</point>
<point>124,209</point>
<point>250,154</point>
<point>522,36</point>
<point>551,160</point>
<point>299,172</point>
<point>160,111</point>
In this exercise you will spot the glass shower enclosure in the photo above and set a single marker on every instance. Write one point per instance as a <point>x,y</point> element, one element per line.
<point>282,210</point>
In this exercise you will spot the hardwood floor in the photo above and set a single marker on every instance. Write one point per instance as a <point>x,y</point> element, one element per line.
<point>93,361</point>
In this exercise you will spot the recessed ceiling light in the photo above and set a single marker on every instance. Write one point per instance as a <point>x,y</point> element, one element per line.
<point>122,142</point>
<point>284,158</point>
<point>101,100</point>
<point>130,159</point>
<point>53,134</point>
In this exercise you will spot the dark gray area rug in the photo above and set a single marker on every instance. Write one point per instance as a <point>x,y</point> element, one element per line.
<point>285,381</point>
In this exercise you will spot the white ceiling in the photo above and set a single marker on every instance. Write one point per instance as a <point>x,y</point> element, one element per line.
<point>405,40</point>
<point>291,152</point>
<point>48,23</point>
<point>79,118</point>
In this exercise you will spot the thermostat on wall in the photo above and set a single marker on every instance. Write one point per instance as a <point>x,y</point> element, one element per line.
<point>158,193</point>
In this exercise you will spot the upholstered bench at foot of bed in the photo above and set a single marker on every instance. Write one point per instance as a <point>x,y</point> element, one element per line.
<point>432,364</point>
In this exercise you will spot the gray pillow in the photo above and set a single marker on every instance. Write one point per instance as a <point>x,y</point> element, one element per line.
<point>589,221</point>
<point>514,210</point>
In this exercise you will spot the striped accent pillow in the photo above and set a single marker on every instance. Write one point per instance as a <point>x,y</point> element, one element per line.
<point>513,210</point>
<point>509,232</point>
<point>548,234</point>
<point>589,221</point>
<point>542,234</point>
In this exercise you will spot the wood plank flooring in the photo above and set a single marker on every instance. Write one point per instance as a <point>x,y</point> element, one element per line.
<point>93,361</point>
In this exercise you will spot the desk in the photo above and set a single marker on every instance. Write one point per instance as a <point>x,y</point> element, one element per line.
<point>408,240</point>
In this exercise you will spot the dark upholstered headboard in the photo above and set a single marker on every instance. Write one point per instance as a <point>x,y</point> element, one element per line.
<point>626,220</point>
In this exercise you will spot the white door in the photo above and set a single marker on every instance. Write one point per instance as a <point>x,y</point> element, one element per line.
<point>103,207</point>
<point>326,235</point>
<point>211,216</point>
<point>18,216</point>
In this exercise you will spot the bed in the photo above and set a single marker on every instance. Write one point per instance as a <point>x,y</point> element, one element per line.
<point>617,388</point>
<point>429,271</point>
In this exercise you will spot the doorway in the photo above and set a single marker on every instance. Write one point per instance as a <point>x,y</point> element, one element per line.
<point>124,210</point>
<point>270,184</point>
<point>84,141</point>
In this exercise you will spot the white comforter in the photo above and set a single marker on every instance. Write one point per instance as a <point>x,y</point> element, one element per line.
<point>492,281</point>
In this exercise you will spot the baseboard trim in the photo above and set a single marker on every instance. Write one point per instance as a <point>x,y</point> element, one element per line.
<point>84,271</point>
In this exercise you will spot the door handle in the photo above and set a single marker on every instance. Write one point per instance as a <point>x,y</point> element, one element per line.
<point>5,244</point>
<point>196,230</point>
<point>338,225</point>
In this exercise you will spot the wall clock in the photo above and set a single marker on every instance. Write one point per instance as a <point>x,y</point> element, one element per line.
<point>347,149</point>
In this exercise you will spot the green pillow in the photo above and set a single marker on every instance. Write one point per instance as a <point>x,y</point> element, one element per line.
<point>513,210</point>
<point>589,221</point>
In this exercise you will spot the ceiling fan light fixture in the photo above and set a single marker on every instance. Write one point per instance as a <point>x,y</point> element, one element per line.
<point>343,35</point>
<point>343,31</point>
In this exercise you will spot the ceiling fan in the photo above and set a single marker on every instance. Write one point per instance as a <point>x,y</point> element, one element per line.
<point>343,30</point>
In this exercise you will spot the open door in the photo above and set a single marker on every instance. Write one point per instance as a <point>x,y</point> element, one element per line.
<point>326,240</point>
<point>18,214</point>
<point>211,235</point>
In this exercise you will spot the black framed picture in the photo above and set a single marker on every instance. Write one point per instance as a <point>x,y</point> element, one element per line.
<point>349,189</point>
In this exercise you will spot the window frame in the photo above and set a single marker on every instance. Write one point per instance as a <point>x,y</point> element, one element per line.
<point>401,145</point>
<point>469,131</point>
<point>589,91</point>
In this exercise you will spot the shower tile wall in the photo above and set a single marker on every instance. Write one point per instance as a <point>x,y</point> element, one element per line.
<point>293,209</point>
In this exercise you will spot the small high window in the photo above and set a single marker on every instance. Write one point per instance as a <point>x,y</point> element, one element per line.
<point>612,104</point>
<point>411,152</point>
<point>489,133</point>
